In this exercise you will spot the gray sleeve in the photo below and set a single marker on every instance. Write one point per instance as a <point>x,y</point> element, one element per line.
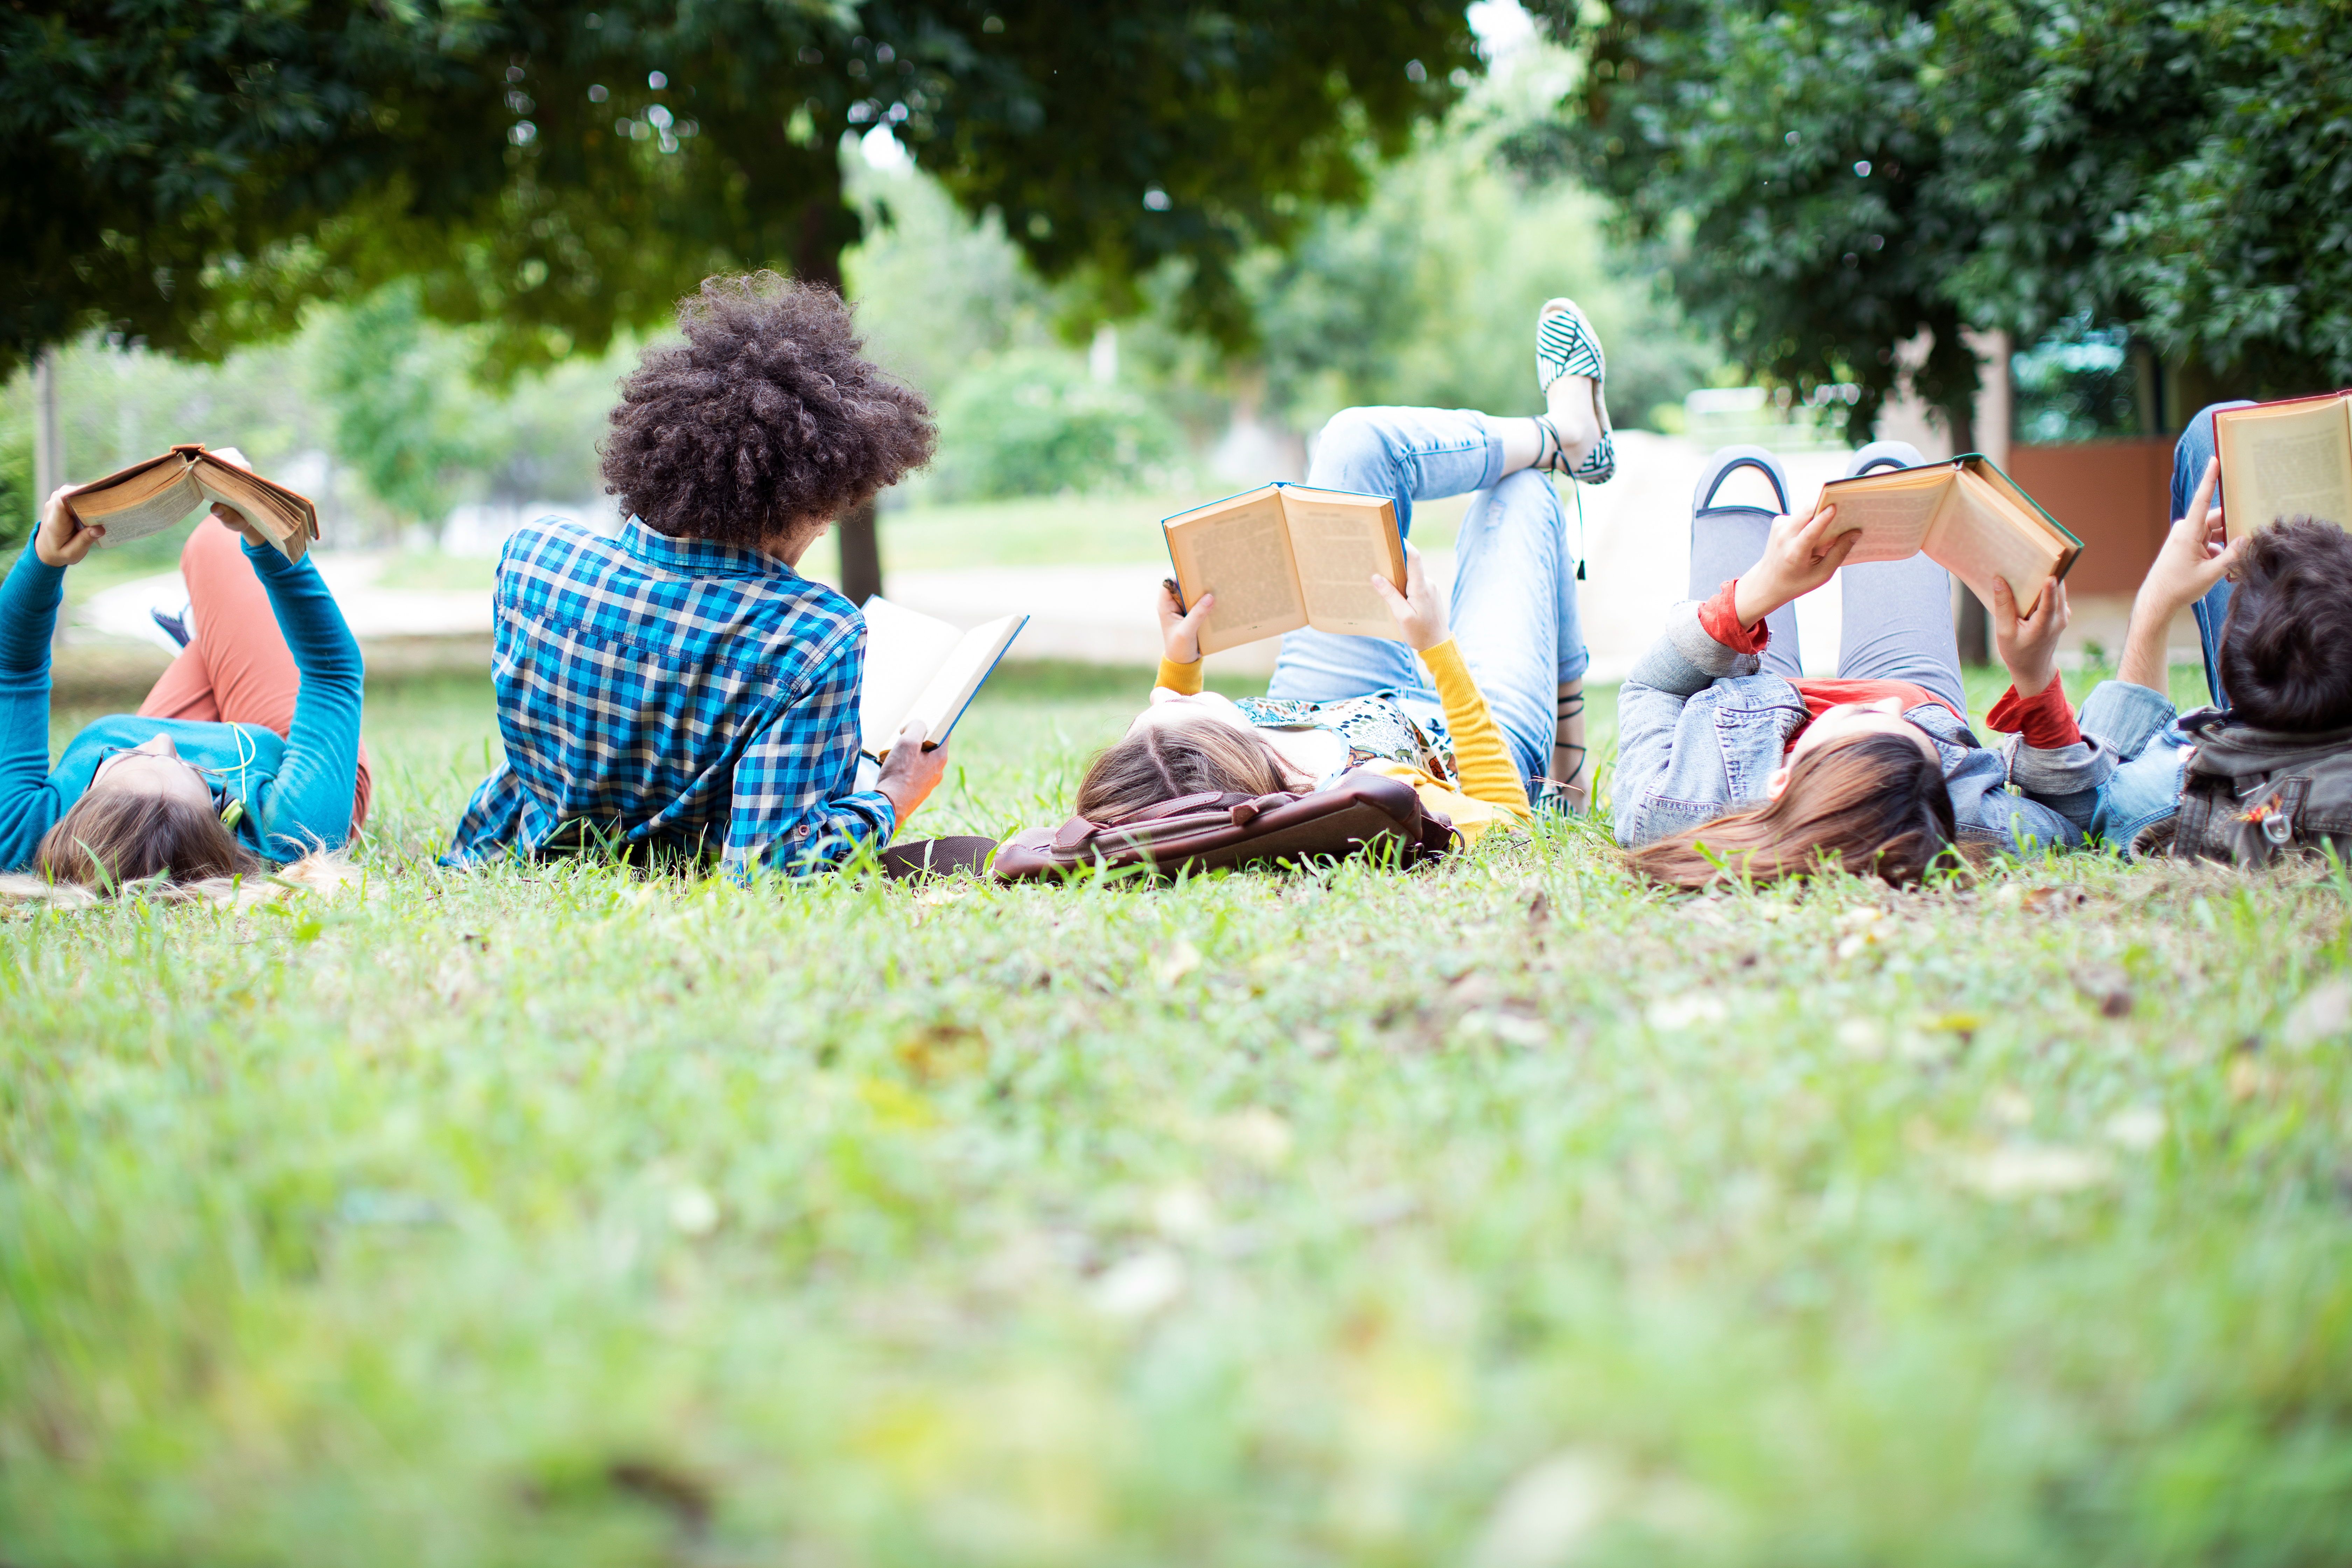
<point>1684,660</point>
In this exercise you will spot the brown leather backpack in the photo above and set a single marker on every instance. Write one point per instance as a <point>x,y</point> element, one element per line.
<point>1360,812</point>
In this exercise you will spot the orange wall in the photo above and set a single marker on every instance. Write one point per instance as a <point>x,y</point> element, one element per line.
<point>2115,495</point>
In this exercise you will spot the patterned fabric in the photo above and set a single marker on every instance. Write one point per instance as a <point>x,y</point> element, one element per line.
<point>672,693</point>
<point>1374,728</point>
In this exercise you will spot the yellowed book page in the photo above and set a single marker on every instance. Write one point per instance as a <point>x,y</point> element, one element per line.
<point>1239,549</point>
<point>1893,512</point>
<point>1986,535</point>
<point>1340,540</point>
<point>138,502</point>
<point>2285,462</point>
<point>282,517</point>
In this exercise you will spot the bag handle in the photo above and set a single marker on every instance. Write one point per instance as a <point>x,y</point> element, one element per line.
<point>1728,462</point>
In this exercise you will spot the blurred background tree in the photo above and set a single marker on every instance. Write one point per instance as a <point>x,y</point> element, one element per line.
<point>1822,181</point>
<point>192,174</point>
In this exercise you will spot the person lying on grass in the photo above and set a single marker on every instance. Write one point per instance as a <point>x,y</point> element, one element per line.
<point>1476,723</point>
<point>2274,609</point>
<point>681,690</point>
<point>246,754</point>
<point>1731,763</point>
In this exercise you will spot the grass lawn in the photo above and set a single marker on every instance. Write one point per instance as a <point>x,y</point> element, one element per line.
<point>1501,1214</point>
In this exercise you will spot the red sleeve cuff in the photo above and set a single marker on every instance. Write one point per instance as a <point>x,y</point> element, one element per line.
<point>1720,620</point>
<point>2045,720</point>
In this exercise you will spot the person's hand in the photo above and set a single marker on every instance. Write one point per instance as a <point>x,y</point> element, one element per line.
<point>1800,556</point>
<point>2193,557</point>
<point>228,517</point>
<point>1420,612</point>
<point>911,773</point>
<point>2028,645</point>
<point>62,539</point>
<point>1180,631</point>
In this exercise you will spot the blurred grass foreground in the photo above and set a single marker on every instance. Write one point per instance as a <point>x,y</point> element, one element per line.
<point>1501,1213</point>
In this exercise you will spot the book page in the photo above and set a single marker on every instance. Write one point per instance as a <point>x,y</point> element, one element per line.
<point>1339,540</point>
<point>904,650</point>
<point>142,499</point>
<point>1987,535</point>
<point>960,676</point>
<point>287,519</point>
<point>1894,510</point>
<point>1238,550</point>
<point>2284,462</point>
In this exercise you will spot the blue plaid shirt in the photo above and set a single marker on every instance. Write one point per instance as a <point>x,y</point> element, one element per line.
<point>668,690</point>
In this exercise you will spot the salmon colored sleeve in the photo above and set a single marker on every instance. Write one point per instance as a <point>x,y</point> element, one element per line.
<point>1183,680</point>
<point>1480,757</point>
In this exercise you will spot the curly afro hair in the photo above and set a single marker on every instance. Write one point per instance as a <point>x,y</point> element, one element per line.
<point>2286,642</point>
<point>763,421</point>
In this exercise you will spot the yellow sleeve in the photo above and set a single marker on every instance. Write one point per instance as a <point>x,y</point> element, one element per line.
<point>1185,680</point>
<point>1480,755</point>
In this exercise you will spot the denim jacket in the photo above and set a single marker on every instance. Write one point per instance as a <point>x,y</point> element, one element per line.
<point>1699,730</point>
<point>2138,801</point>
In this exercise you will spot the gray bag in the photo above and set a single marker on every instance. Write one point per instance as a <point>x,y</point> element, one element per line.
<point>2251,797</point>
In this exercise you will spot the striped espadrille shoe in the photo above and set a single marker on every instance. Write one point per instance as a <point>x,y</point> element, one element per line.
<point>1566,345</point>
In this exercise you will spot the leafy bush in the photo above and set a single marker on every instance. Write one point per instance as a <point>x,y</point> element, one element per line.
<point>1034,423</point>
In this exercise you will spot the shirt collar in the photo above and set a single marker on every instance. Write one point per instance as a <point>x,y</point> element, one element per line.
<point>698,557</point>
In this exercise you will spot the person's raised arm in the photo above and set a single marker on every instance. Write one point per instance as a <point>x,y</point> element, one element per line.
<point>1800,554</point>
<point>28,620</point>
<point>2192,559</point>
<point>308,804</point>
<point>1481,758</point>
<point>1180,640</point>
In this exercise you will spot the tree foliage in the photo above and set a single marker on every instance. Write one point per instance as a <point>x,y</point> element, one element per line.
<point>1829,178</point>
<point>193,172</point>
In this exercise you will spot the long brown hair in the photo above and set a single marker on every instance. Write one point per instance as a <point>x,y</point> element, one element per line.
<point>113,837</point>
<point>1166,762</point>
<point>1872,805</point>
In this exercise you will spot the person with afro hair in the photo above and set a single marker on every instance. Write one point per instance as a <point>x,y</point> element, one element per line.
<point>681,691</point>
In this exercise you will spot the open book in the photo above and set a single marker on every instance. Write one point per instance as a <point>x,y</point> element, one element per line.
<point>1287,556</point>
<point>918,666</point>
<point>2285,460</point>
<point>1965,515</point>
<point>150,497</point>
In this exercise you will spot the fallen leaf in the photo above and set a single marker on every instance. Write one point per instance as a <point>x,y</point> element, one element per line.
<point>2061,899</point>
<point>2032,1170</point>
<point>1177,962</point>
<point>2138,1127</point>
<point>2105,987</point>
<point>1550,1511</point>
<point>693,1211</point>
<point>1140,1284</point>
<point>2324,1012</point>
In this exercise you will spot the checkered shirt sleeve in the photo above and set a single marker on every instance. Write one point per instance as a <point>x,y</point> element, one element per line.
<point>797,808</point>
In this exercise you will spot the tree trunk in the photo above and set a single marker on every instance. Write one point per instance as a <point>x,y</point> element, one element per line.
<point>822,228</point>
<point>1971,624</point>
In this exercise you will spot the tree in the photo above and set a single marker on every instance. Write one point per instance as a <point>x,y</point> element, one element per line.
<point>194,173</point>
<point>1828,179</point>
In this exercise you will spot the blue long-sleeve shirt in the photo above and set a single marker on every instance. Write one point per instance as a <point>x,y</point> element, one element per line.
<point>672,691</point>
<point>295,790</point>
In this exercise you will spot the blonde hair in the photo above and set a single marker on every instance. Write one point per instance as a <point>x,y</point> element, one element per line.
<point>1166,761</point>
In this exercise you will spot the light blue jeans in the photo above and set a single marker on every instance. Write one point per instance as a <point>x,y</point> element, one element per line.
<point>1513,608</point>
<point>2189,455</point>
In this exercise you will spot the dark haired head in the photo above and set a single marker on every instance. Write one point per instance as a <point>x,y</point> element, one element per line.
<point>765,422</point>
<point>113,837</point>
<point>2286,644</point>
<point>1876,804</point>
